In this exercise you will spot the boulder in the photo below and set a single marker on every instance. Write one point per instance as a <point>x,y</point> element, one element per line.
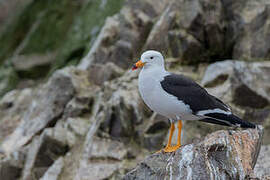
<point>46,107</point>
<point>229,154</point>
<point>253,41</point>
<point>262,168</point>
<point>32,66</point>
<point>12,106</point>
<point>123,34</point>
<point>54,171</point>
<point>244,86</point>
<point>42,153</point>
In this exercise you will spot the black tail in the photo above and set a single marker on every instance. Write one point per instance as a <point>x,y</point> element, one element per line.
<point>227,120</point>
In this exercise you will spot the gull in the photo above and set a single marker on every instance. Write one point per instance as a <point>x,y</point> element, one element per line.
<point>179,98</point>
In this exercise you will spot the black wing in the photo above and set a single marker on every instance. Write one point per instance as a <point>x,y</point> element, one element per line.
<point>198,99</point>
<point>191,93</point>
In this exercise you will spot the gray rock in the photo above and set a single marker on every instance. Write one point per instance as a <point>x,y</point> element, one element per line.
<point>54,171</point>
<point>262,167</point>
<point>11,166</point>
<point>43,151</point>
<point>9,171</point>
<point>244,84</point>
<point>99,73</point>
<point>12,106</point>
<point>221,155</point>
<point>252,42</point>
<point>245,87</point>
<point>47,105</point>
<point>122,36</point>
<point>32,66</point>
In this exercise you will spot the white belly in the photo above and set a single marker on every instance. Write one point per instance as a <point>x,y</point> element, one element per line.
<point>160,101</point>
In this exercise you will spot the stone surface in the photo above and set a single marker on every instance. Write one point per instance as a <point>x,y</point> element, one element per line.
<point>32,66</point>
<point>243,85</point>
<point>43,151</point>
<point>253,40</point>
<point>232,78</point>
<point>48,103</point>
<point>99,73</point>
<point>262,167</point>
<point>228,154</point>
<point>54,171</point>
<point>123,34</point>
<point>93,115</point>
<point>12,105</point>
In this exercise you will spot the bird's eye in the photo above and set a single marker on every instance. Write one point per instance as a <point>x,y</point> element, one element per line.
<point>151,57</point>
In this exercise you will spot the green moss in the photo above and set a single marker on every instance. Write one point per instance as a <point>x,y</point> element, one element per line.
<point>85,29</point>
<point>40,27</point>
<point>8,79</point>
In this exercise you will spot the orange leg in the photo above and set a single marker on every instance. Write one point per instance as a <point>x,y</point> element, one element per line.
<point>179,125</point>
<point>170,148</point>
<point>170,136</point>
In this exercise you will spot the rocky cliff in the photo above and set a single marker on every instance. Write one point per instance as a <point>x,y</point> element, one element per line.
<point>221,155</point>
<point>87,121</point>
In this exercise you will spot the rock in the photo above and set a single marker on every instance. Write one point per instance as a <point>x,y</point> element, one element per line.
<point>54,171</point>
<point>99,73</point>
<point>9,171</point>
<point>86,26</point>
<point>12,105</point>
<point>228,154</point>
<point>8,79</point>
<point>123,35</point>
<point>47,105</point>
<point>192,31</point>
<point>127,116</point>
<point>32,66</point>
<point>203,31</point>
<point>11,166</point>
<point>43,151</point>
<point>238,82</point>
<point>253,39</point>
<point>244,86</point>
<point>262,167</point>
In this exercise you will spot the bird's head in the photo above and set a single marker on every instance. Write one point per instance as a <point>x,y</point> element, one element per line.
<point>149,58</point>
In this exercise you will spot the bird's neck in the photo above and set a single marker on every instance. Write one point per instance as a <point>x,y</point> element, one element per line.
<point>154,71</point>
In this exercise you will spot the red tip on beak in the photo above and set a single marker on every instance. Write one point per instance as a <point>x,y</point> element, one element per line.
<point>138,64</point>
<point>134,67</point>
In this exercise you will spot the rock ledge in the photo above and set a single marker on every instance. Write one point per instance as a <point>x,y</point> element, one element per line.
<point>221,155</point>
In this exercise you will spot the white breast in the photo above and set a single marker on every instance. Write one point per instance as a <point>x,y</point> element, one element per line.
<point>159,100</point>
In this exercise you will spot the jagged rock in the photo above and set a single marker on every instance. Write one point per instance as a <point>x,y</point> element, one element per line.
<point>244,86</point>
<point>12,105</point>
<point>11,166</point>
<point>54,171</point>
<point>123,35</point>
<point>262,168</point>
<point>43,151</point>
<point>47,105</point>
<point>205,31</point>
<point>32,66</point>
<point>100,73</point>
<point>192,31</point>
<point>9,171</point>
<point>238,82</point>
<point>227,154</point>
<point>253,41</point>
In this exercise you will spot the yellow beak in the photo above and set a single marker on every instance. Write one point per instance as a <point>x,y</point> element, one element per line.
<point>137,65</point>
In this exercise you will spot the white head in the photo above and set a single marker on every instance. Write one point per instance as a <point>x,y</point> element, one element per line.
<point>150,59</point>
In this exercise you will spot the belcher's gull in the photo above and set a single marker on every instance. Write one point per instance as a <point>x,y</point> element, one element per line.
<point>180,98</point>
